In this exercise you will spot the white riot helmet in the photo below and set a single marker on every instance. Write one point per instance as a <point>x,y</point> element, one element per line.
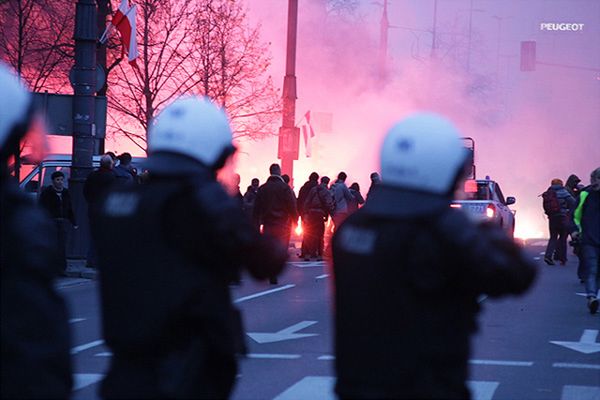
<point>423,152</point>
<point>15,108</point>
<point>195,127</point>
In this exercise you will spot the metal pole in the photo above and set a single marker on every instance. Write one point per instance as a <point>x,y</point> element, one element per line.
<point>434,40</point>
<point>104,10</point>
<point>84,86</point>
<point>470,31</point>
<point>288,134</point>
<point>383,42</point>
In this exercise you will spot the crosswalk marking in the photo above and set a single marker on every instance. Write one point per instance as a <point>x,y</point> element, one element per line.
<point>82,380</point>
<point>580,393</point>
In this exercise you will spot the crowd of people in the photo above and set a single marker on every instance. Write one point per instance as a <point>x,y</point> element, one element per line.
<point>574,210</point>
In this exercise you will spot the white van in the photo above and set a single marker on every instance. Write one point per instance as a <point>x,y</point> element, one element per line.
<point>35,177</point>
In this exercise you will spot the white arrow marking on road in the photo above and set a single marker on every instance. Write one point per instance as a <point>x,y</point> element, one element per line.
<point>587,344</point>
<point>284,334</point>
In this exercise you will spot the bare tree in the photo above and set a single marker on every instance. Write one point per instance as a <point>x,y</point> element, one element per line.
<point>36,41</point>
<point>195,47</point>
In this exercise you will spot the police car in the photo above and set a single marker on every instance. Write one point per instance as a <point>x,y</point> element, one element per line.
<point>483,200</point>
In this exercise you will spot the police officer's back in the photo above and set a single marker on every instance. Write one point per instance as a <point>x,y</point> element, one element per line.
<point>35,361</point>
<point>409,269</point>
<point>167,311</point>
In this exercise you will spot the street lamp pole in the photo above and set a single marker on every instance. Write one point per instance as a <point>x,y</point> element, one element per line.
<point>84,87</point>
<point>289,135</point>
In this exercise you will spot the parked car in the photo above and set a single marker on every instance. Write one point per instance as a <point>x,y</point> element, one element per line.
<point>482,199</point>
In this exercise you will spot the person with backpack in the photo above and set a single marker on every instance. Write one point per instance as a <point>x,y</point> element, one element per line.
<point>317,207</point>
<point>558,204</point>
<point>587,218</point>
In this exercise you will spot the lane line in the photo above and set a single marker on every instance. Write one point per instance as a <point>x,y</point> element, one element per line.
<point>274,356</point>
<point>103,354</point>
<point>79,349</point>
<point>321,276</point>
<point>576,365</point>
<point>74,320</point>
<point>502,362</point>
<point>537,258</point>
<point>482,298</point>
<point>572,392</point>
<point>326,358</point>
<point>266,292</point>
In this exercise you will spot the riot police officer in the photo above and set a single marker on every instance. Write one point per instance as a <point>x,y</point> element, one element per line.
<point>167,312</point>
<point>35,360</point>
<point>408,271</point>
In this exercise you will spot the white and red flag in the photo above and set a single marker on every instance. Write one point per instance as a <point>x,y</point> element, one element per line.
<point>124,22</point>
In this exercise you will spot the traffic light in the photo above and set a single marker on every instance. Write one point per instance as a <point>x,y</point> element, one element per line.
<point>528,55</point>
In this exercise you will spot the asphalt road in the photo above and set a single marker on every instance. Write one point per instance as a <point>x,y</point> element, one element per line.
<point>290,349</point>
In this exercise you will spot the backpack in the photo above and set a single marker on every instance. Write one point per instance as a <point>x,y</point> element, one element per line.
<point>550,202</point>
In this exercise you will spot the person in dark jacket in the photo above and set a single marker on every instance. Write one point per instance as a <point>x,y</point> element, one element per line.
<point>249,199</point>
<point>275,208</point>
<point>34,330</point>
<point>357,198</point>
<point>558,225</point>
<point>124,172</point>
<point>313,180</point>
<point>95,188</point>
<point>318,206</point>
<point>56,199</point>
<point>175,333</point>
<point>409,269</point>
<point>375,180</point>
<point>587,218</point>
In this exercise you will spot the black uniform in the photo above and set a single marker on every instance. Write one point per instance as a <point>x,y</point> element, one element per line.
<point>408,272</point>
<point>167,312</point>
<point>35,359</point>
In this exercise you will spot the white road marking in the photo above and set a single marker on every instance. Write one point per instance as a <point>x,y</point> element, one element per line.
<point>103,354</point>
<point>310,387</point>
<point>274,356</point>
<point>538,244</point>
<point>266,292</point>
<point>308,264</point>
<point>321,276</point>
<point>79,349</point>
<point>482,298</point>
<point>581,294</point>
<point>284,334</point>
<point>537,258</point>
<point>543,253</point>
<point>326,358</point>
<point>570,392</point>
<point>576,365</point>
<point>587,343</point>
<point>82,380</point>
<point>74,320</point>
<point>482,390</point>
<point>502,362</point>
